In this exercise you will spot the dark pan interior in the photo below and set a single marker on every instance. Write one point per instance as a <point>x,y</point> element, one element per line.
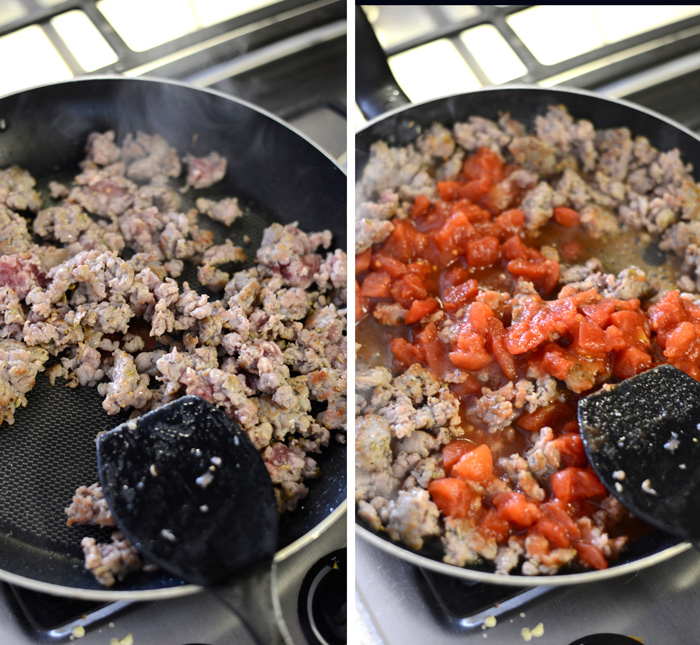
<point>525,103</point>
<point>277,175</point>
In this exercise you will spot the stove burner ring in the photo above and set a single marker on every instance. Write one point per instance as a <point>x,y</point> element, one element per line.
<point>323,600</point>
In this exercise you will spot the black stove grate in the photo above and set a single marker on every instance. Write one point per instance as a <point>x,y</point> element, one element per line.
<point>684,32</point>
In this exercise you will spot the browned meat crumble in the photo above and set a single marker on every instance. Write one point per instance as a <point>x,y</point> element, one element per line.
<point>269,348</point>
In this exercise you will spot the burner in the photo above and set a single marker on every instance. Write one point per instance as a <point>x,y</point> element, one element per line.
<point>323,602</point>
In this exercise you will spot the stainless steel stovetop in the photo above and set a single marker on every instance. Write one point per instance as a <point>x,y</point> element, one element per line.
<point>658,606</point>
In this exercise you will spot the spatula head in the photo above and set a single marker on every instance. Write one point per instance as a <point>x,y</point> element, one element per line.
<point>642,437</point>
<point>188,487</point>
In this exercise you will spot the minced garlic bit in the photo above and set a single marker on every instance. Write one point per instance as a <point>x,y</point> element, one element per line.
<point>535,632</point>
<point>618,487</point>
<point>672,443</point>
<point>168,535</point>
<point>78,631</point>
<point>127,640</point>
<point>490,621</point>
<point>646,487</point>
<point>205,479</point>
<point>619,475</point>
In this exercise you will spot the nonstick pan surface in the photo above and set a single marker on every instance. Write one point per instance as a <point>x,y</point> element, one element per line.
<point>401,126</point>
<point>278,176</point>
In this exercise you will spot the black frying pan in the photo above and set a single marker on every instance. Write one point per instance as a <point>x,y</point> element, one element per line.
<point>278,175</point>
<point>377,92</point>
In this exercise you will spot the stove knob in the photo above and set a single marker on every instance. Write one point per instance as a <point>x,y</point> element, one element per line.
<point>606,639</point>
<point>323,602</point>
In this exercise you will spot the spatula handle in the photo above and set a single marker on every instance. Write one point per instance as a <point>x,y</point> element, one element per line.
<point>252,600</point>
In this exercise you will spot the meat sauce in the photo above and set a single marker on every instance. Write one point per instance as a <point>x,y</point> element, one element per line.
<point>462,287</point>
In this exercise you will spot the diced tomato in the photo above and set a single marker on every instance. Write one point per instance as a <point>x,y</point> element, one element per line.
<point>591,556</point>
<point>634,327</point>
<point>567,217</point>
<point>472,190</point>
<point>573,483</point>
<point>419,309</point>
<point>680,340</point>
<point>553,415</point>
<point>454,276</point>
<point>483,252</point>
<point>668,313</point>
<point>538,321</point>
<point>421,205</point>
<point>571,450</point>
<point>484,162</point>
<point>387,264</point>
<point>454,451</point>
<point>454,233</point>
<point>514,248</point>
<point>470,386</point>
<point>631,361</point>
<point>554,532</point>
<point>479,316</point>
<point>476,465</point>
<point>492,525</point>
<point>408,288</point>
<point>362,261</point>
<point>361,303</point>
<point>598,313</point>
<point>405,242</point>
<point>556,511</point>
<point>589,339</point>
<point>433,349</point>
<point>557,361</point>
<point>500,197</point>
<point>453,496</point>
<point>515,508</point>
<point>497,342</point>
<point>405,354</point>
<point>544,274</point>
<point>471,360</point>
<point>457,297</point>
<point>377,284</point>
<point>570,251</point>
<point>511,221</point>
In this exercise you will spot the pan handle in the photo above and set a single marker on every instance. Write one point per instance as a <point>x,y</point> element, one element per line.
<point>376,89</point>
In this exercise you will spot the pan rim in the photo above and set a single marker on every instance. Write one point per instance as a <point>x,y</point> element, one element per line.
<point>563,89</point>
<point>158,80</point>
<point>422,561</point>
<point>177,591</point>
<point>517,580</point>
<point>286,551</point>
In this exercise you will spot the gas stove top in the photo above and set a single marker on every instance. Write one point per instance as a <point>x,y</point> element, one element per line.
<point>289,58</point>
<point>656,67</point>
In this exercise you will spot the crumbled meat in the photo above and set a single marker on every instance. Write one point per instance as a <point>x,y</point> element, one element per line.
<point>203,172</point>
<point>112,561</point>
<point>101,300</point>
<point>90,507</point>
<point>226,210</point>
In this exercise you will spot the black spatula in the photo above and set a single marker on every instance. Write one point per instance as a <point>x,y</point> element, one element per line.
<point>190,490</point>
<point>642,437</point>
